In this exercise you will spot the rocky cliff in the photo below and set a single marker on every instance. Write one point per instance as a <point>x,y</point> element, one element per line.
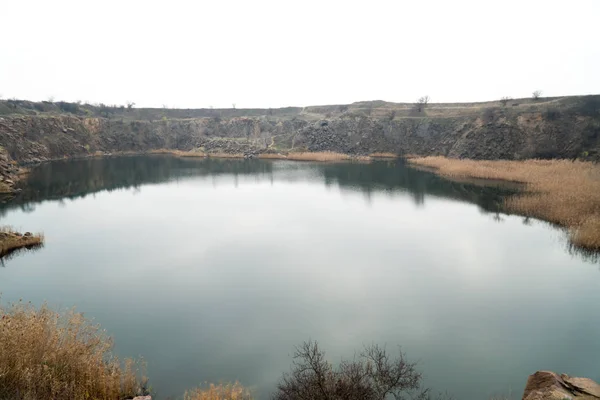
<point>566,127</point>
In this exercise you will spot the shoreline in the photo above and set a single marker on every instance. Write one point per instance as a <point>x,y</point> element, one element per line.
<point>562,192</point>
<point>12,241</point>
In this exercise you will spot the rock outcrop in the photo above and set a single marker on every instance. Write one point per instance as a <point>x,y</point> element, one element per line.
<point>566,127</point>
<point>9,172</point>
<point>546,385</point>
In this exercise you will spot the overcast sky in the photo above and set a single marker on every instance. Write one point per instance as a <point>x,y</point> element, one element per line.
<point>263,53</point>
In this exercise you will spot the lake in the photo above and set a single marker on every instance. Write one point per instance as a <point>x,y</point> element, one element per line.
<point>215,269</point>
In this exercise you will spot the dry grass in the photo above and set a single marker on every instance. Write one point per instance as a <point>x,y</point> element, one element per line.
<point>4,188</point>
<point>383,155</point>
<point>229,391</point>
<point>272,156</point>
<point>225,155</point>
<point>11,241</point>
<point>178,153</point>
<point>45,355</point>
<point>559,191</point>
<point>325,156</point>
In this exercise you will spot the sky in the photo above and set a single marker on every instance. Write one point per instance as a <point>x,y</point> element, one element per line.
<point>268,53</point>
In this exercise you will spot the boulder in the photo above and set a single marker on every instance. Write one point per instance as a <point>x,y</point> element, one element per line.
<point>546,385</point>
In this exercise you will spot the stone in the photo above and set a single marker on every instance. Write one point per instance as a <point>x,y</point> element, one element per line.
<point>547,385</point>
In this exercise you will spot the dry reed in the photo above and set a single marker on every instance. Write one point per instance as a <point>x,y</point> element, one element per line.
<point>559,191</point>
<point>11,241</point>
<point>383,155</point>
<point>325,156</point>
<point>178,153</point>
<point>228,391</point>
<point>272,156</point>
<point>225,155</point>
<point>46,355</point>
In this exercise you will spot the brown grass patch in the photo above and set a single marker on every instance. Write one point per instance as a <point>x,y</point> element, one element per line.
<point>383,155</point>
<point>46,355</point>
<point>178,153</point>
<point>227,391</point>
<point>225,155</point>
<point>11,241</point>
<point>325,156</point>
<point>272,156</point>
<point>559,191</point>
<point>4,188</point>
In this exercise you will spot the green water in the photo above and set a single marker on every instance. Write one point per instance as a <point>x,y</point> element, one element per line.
<point>215,269</point>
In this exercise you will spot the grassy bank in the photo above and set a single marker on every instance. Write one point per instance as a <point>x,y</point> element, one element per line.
<point>45,355</point>
<point>11,241</point>
<point>559,191</point>
<point>324,156</point>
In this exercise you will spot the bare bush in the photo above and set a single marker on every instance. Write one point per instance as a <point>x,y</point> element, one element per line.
<point>372,375</point>
<point>422,103</point>
<point>536,94</point>
<point>505,100</point>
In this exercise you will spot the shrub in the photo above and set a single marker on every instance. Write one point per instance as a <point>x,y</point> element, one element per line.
<point>68,107</point>
<point>370,376</point>
<point>46,355</point>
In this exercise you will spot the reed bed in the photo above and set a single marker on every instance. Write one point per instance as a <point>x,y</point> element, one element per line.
<point>46,355</point>
<point>563,192</point>
<point>324,156</point>
<point>11,241</point>
<point>226,391</point>
<point>225,155</point>
<point>178,153</point>
<point>383,155</point>
<point>272,156</point>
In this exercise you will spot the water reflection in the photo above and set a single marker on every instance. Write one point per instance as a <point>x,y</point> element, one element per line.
<point>220,284</point>
<point>78,178</point>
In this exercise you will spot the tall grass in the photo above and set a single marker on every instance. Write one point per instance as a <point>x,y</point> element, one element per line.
<point>46,355</point>
<point>324,156</point>
<point>11,241</point>
<point>559,191</point>
<point>383,155</point>
<point>228,391</point>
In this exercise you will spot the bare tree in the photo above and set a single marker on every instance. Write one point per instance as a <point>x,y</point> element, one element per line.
<point>536,94</point>
<point>422,103</point>
<point>233,105</point>
<point>505,100</point>
<point>51,99</point>
<point>130,105</point>
<point>372,375</point>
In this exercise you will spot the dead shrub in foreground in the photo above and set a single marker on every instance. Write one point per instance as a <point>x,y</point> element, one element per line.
<point>227,391</point>
<point>372,375</point>
<point>46,355</point>
<point>559,191</point>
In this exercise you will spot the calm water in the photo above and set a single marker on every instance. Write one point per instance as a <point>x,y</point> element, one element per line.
<point>215,269</point>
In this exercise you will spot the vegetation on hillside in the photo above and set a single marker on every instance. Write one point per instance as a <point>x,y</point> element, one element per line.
<point>559,191</point>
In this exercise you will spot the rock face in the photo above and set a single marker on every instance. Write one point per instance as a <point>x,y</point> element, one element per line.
<point>558,128</point>
<point>546,385</point>
<point>8,172</point>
